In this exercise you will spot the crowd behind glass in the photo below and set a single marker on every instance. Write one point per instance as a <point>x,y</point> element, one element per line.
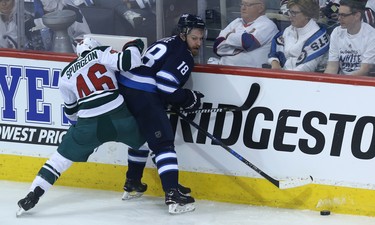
<point>22,27</point>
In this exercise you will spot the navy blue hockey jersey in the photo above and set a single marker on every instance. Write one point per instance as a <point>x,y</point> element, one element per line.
<point>167,65</point>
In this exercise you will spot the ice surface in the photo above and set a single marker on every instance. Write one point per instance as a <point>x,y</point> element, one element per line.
<point>78,206</point>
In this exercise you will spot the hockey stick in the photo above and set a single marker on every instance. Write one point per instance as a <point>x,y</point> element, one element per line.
<point>253,95</point>
<point>283,184</point>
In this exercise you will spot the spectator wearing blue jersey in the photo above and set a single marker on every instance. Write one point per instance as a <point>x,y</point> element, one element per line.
<point>303,45</point>
<point>148,90</point>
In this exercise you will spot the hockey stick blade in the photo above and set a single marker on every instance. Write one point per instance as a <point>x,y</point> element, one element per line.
<point>20,211</point>
<point>250,100</point>
<point>295,182</point>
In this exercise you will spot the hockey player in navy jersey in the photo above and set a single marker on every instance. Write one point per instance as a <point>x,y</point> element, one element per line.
<point>148,89</point>
<point>89,88</point>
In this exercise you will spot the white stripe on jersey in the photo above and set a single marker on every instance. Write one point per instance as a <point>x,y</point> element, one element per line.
<point>99,94</point>
<point>167,76</point>
<point>165,88</point>
<point>71,106</point>
<point>139,79</point>
<point>86,113</point>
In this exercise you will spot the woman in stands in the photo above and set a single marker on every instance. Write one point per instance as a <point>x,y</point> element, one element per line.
<point>302,46</point>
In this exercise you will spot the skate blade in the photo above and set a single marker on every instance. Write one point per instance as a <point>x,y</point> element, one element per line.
<point>19,212</point>
<point>178,209</point>
<point>131,195</point>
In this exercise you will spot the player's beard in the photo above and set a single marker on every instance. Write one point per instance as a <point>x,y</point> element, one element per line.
<point>194,51</point>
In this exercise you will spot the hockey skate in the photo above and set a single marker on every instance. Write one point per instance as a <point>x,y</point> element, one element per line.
<point>184,190</point>
<point>133,189</point>
<point>29,201</point>
<point>178,203</point>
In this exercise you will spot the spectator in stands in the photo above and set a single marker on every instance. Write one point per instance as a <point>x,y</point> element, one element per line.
<point>76,31</point>
<point>8,24</point>
<point>353,51</point>
<point>139,16</point>
<point>331,9</point>
<point>323,4</point>
<point>135,12</point>
<point>246,41</point>
<point>303,45</point>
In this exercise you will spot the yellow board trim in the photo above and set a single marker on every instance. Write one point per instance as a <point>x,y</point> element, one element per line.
<point>213,187</point>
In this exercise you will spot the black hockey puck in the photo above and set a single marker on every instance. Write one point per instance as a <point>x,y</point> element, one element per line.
<point>325,213</point>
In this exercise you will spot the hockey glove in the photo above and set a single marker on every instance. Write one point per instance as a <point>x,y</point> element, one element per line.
<point>184,98</point>
<point>193,100</point>
<point>136,43</point>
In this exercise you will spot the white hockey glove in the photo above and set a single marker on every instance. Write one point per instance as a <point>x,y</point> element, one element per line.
<point>136,43</point>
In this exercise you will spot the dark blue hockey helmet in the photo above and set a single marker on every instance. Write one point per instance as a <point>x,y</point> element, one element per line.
<point>188,22</point>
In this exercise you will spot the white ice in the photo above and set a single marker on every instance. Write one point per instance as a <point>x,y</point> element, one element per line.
<point>78,206</point>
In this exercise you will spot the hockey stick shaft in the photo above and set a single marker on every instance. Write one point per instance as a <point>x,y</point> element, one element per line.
<point>284,184</point>
<point>253,95</point>
<point>231,151</point>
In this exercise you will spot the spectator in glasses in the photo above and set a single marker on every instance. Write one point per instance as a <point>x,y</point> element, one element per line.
<point>353,51</point>
<point>303,45</point>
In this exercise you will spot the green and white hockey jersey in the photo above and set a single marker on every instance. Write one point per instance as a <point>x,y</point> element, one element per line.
<point>88,85</point>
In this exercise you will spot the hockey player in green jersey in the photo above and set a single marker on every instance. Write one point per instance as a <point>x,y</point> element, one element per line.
<point>89,89</point>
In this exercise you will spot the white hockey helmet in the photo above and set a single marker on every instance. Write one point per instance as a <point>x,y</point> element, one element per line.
<point>86,45</point>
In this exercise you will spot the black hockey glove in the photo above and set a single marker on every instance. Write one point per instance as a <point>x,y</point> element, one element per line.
<point>136,43</point>
<point>193,100</point>
<point>184,98</point>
